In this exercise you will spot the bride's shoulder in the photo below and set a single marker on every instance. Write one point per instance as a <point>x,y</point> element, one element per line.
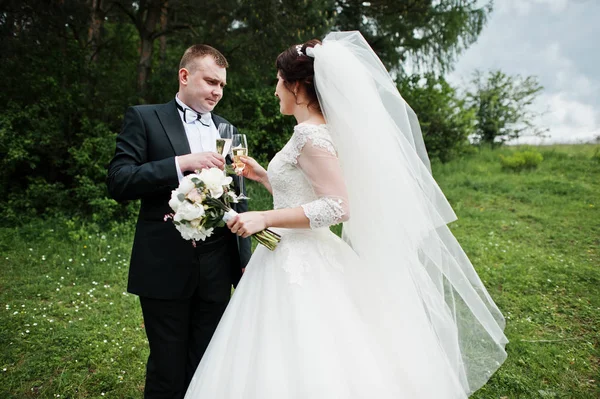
<point>319,135</point>
<point>304,131</point>
<point>311,127</point>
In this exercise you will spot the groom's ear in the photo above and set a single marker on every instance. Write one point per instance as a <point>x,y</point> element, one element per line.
<point>183,76</point>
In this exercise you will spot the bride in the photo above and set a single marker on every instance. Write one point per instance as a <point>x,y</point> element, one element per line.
<point>395,309</point>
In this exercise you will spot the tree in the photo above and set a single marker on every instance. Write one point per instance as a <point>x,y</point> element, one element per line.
<point>429,33</point>
<point>98,13</point>
<point>71,67</point>
<point>502,105</point>
<point>446,122</point>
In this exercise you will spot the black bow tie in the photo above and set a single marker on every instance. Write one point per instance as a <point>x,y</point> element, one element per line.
<point>191,116</point>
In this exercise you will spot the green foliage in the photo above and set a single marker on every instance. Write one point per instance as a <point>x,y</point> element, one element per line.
<point>596,156</point>
<point>430,34</point>
<point>521,160</point>
<point>71,68</point>
<point>502,105</point>
<point>445,120</point>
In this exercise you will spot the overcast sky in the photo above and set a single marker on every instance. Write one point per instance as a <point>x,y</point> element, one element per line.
<point>559,42</point>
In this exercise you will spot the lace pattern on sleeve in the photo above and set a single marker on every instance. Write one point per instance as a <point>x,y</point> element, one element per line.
<point>324,212</point>
<point>318,135</point>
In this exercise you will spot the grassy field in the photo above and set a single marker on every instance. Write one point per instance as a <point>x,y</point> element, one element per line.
<point>69,330</point>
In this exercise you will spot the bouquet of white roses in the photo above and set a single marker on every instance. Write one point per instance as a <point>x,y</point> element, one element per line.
<point>202,202</point>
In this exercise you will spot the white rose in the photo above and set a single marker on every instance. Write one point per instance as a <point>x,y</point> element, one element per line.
<point>186,185</point>
<point>215,179</point>
<point>207,232</point>
<point>188,211</point>
<point>174,202</point>
<point>187,232</point>
<point>190,233</point>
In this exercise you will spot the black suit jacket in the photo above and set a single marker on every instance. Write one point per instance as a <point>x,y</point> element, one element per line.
<point>163,265</point>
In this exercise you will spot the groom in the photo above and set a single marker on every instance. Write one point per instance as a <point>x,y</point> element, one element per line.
<point>183,290</point>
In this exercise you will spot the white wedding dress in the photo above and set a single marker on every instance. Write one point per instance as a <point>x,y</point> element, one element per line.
<point>310,320</point>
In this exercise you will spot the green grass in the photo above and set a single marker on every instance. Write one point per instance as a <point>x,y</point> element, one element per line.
<point>67,328</point>
<point>534,238</point>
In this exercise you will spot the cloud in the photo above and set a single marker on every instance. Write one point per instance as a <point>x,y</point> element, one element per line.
<point>526,7</point>
<point>569,120</point>
<point>555,41</point>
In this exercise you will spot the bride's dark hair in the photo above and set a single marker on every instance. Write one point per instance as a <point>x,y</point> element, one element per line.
<point>294,66</point>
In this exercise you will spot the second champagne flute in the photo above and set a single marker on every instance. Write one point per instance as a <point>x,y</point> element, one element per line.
<point>239,147</point>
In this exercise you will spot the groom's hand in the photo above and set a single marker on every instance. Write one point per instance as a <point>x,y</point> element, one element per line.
<point>200,160</point>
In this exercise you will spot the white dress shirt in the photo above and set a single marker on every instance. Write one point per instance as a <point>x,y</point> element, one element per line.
<point>201,138</point>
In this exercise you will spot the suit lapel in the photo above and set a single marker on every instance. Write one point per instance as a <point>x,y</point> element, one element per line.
<point>173,126</point>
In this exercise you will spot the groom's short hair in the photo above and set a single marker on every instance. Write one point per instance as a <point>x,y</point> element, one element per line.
<point>199,51</point>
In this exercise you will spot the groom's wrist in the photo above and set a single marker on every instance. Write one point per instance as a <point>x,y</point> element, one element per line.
<point>182,162</point>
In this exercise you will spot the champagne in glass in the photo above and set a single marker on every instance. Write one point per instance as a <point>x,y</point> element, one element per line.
<point>224,142</point>
<point>239,148</point>
<point>223,146</point>
<point>237,153</point>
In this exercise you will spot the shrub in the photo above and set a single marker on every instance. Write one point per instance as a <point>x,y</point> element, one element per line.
<point>445,120</point>
<point>521,160</point>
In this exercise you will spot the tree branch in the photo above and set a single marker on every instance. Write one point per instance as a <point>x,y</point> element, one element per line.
<point>130,14</point>
<point>172,29</point>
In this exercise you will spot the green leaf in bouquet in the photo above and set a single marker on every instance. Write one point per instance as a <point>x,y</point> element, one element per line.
<point>199,184</point>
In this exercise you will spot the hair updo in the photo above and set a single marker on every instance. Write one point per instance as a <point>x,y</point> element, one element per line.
<point>295,67</point>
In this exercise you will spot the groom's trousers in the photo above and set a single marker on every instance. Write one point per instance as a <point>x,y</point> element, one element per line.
<point>179,330</point>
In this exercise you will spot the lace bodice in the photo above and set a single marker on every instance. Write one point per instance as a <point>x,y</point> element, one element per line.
<point>306,173</point>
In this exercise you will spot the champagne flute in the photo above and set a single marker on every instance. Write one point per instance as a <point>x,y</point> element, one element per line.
<point>224,142</point>
<point>239,147</point>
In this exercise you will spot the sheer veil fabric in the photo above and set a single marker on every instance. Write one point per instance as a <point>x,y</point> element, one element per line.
<point>399,216</point>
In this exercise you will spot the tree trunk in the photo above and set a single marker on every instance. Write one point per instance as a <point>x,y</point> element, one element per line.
<point>147,28</point>
<point>163,27</point>
<point>95,29</point>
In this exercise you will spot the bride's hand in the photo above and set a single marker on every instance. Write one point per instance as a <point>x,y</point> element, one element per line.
<point>253,170</point>
<point>247,223</point>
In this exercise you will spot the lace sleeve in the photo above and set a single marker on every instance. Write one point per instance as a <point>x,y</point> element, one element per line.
<point>318,161</point>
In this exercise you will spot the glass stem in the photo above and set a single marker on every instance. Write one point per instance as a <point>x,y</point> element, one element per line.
<point>242,186</point>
